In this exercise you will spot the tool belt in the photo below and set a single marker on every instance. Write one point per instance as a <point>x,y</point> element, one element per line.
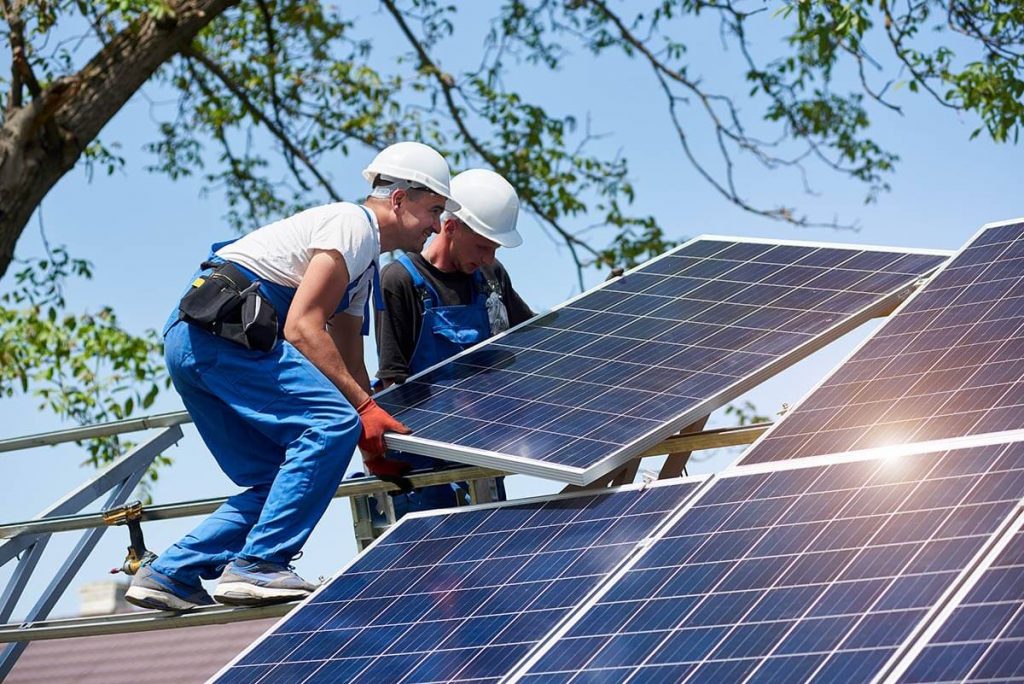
<point>229,305</point>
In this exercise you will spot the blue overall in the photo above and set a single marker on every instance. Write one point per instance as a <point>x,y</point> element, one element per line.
<point>446,331</point>
<point>275,424</point>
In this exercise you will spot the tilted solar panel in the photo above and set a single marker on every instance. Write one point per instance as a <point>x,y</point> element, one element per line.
<point>983,638</point>
<point>573,394</point>
<point>950,363</point>
<point>462,596</point>
<point>814,571</point>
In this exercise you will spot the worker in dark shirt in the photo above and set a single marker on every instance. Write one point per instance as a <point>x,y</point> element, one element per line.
<point>449,298</point>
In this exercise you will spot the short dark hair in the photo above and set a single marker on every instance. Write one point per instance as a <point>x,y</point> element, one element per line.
<point>382,182</point>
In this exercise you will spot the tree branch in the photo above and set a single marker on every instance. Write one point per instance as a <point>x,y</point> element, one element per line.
<point>447,84</point>
<point>275,99</point>
<point>262,118</point>
<point>896,39</point>
<point>728,190</point>
<point>73,109</point>
<point>21,68</point>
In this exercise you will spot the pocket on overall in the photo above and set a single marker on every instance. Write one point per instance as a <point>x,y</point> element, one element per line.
<point>455,331</point>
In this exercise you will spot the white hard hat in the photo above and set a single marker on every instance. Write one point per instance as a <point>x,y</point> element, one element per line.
<point>416,163</point>
<point>490,206</point>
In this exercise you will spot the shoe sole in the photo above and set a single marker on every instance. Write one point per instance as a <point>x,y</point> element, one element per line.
<point>157,600</point>
<point>243,594</point>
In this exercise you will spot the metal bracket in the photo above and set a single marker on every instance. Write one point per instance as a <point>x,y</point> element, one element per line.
<point>118,481</point>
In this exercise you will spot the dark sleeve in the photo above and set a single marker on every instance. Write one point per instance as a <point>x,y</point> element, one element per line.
<point>517,309</point>
<point>399,324</point>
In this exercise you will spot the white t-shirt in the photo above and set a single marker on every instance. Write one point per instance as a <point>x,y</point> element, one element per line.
<point>280,252</point>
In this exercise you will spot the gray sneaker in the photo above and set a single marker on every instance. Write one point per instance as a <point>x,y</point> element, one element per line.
<point>152,589</point>
<point>260,583</point>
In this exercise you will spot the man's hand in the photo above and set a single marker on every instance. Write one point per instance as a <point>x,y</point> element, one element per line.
<point>389,470</point>
<point>376,421</point>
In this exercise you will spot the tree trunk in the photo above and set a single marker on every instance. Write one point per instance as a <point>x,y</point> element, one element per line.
<point>43,139</point>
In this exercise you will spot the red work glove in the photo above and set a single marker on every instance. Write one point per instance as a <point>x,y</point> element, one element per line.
<point>390,470</point>
<point>376,421</point>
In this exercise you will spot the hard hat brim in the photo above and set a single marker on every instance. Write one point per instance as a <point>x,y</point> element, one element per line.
<point>371,172</point>
<point>508,238</point>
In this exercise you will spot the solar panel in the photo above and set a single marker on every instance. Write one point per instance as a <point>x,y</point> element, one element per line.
<point>950,363</point>
<point>983,638</point>
<point>458,596</point>
<point>573,394</point>
<point>812,571</point>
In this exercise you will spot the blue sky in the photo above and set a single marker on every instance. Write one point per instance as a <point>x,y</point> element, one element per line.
<point>145,235</point>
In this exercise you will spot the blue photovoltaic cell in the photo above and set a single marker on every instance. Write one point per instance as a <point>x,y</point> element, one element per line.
<point>949,364</point>
<point>983,639</point>
<point>817,571</point>
<point>457,597</point>
<point>574,387</point>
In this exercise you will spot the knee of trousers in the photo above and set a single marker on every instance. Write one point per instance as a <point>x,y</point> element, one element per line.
<point>336,442</point>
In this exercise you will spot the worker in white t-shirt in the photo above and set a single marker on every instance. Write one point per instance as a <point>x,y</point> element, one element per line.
<point>266,351</point>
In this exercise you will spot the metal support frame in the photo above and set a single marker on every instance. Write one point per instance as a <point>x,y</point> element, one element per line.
<point>678,448</point>
<point>28,538</point>
<point>78,434</point>
<point>119,479</point>
<point>708,439</point>
<point>139,621</point>
<point>483,488</point>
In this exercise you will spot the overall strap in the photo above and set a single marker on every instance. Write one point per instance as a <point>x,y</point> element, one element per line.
<point>428,295</point>
<point>485,286</point>
<point>375,289</point>
<point>213,259</point>
<point>378,298</point>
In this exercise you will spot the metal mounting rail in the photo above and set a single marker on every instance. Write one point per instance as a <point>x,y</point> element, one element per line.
<point>696,441</point>
<point>708,439</point>
<point>116,483</point>
<point>116,427</point>
<point>139,621</point>
<point>26,539</point>
<point>354,487</point>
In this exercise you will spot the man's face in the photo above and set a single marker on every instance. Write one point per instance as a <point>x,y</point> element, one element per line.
<point>419,214</point>
<point>469,250</point>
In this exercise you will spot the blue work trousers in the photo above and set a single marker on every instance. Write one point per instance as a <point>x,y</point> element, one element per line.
<point>277,426</point>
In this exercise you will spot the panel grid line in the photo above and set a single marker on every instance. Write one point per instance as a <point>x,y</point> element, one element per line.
<point>948,363</point>
<point>497,567</point>
<point>642,352</point>
<point>978,637</point>
<point>938,514</point>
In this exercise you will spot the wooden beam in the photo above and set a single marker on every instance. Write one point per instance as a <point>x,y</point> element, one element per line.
<point>709,439</point>
<point>675,463</point>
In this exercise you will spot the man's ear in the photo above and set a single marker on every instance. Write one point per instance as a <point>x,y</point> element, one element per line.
<point>450,226</point>
<point>397,197</point>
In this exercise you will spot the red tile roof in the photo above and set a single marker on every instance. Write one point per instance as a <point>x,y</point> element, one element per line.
<point>167,656</point>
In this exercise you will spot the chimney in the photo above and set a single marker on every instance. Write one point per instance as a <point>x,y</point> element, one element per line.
<point>104,597</point>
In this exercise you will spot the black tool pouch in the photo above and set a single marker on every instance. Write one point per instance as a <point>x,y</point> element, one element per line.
<point>229,305</point>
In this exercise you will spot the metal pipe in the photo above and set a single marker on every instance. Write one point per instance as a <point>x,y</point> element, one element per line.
<point>141,621</point>
<point>363,485</point>
<point>138,458</point>
<point>709,439</point>
<point>93,431</point>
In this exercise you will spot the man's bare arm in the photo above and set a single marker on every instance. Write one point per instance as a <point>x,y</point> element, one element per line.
<point>322,287</point>
<point>347,333</point>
